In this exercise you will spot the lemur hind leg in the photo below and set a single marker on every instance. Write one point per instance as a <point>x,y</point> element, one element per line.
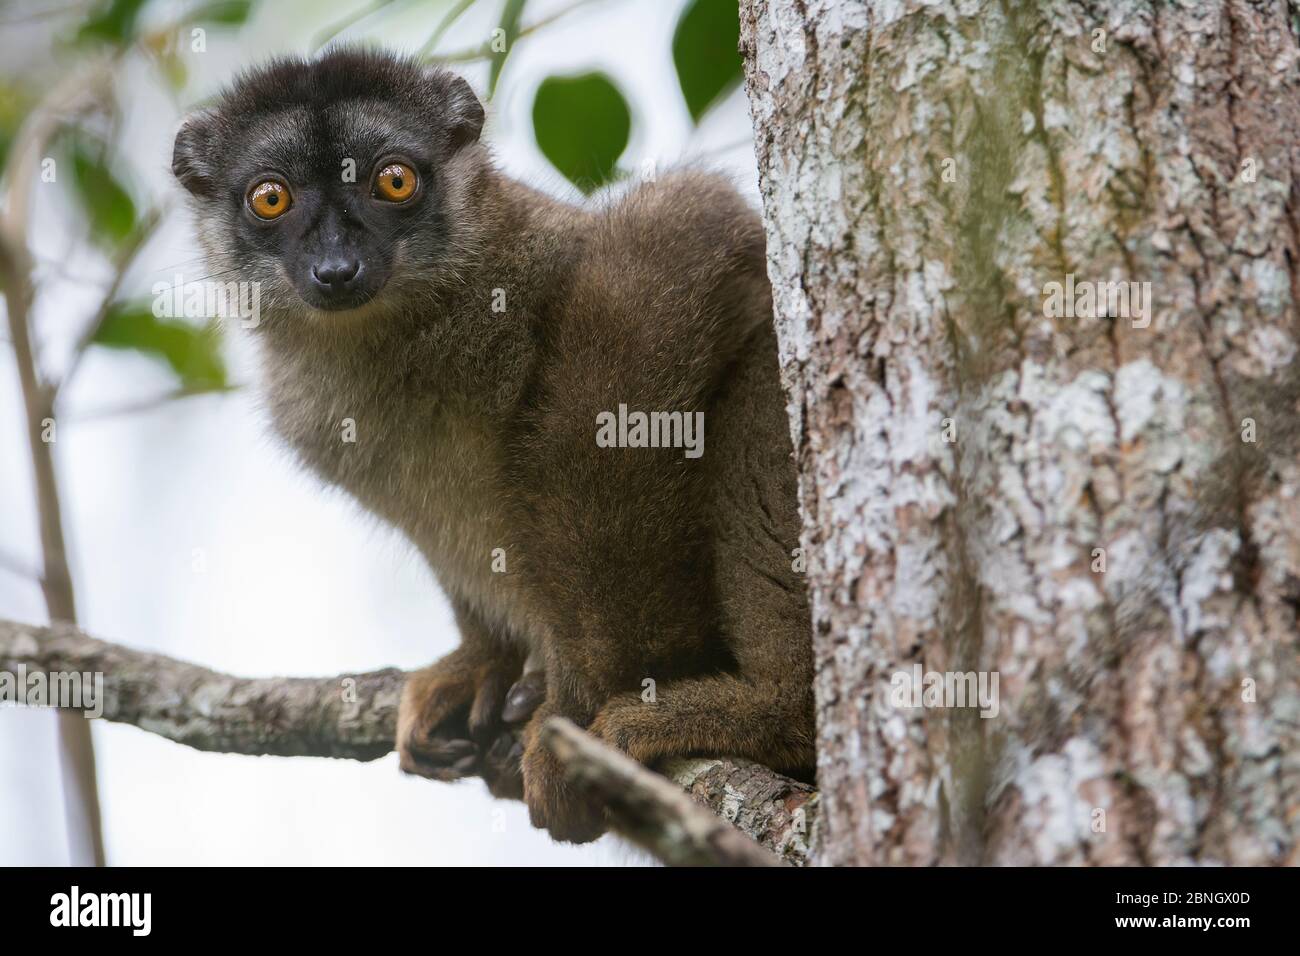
<point>763,707</point>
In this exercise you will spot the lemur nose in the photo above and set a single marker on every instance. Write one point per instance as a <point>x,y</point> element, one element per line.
<point>335,274</point>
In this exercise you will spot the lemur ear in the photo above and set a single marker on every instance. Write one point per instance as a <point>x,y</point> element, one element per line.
<point>462,108</point>
<point>192,155</point>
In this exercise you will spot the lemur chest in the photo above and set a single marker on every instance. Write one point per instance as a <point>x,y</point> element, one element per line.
<point>435,472</point>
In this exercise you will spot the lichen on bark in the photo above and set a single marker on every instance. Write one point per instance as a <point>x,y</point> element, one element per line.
<point>927,169</point>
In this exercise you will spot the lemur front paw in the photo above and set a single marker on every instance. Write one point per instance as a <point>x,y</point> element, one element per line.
<point>554,804</point>
<point>452,723</point>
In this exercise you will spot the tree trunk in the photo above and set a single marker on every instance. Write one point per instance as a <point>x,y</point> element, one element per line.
<point>1102,511</point>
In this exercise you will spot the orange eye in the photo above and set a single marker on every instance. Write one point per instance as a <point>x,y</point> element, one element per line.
<point>269,199</point>
<point>395,182</point>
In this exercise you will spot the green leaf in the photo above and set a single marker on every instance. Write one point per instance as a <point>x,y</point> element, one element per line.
<point>706,53</point>
<point>107,203</point>
<point>192,352</point>
<point>114,22</point>
<point>226,13</point>
<point>509,27</point>
<point>582,125</point>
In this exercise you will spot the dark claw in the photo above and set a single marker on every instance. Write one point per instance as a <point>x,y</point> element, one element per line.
<point>443,751</point>
<point>465,765</point>
<point>501,749</point>
<point>524,697</point>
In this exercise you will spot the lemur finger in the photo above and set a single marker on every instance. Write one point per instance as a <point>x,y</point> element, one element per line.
<point>500,768</point>
<point>440,759</point>
<point>485,713</point>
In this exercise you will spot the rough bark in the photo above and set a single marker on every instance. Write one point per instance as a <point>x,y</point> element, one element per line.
<point>781,814</point>
<point>355,716</point>
<point>1162,691</point>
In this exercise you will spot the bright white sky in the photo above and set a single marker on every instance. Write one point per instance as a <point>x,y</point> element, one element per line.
<point>295,580</point>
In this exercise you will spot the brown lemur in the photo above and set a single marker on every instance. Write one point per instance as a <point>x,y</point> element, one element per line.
<point>472,334</point>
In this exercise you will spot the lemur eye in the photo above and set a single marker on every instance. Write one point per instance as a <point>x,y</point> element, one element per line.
<point>395,182</point>
<point>269,199</point>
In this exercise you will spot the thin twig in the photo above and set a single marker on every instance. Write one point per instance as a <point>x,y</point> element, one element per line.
<point>444,24</point>
<point>646,808</point>
<point>149,404</point>
<point>349,20</point>
<point>122,263</point>
<point>484,51</point>
<point>76,747</point>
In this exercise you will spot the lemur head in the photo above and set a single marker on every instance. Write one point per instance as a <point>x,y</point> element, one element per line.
<point>336,182</point>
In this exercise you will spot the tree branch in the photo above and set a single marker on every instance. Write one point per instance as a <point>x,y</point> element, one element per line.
<point>344,716</point>
<point>355,716</point>
<point>646,808</point>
